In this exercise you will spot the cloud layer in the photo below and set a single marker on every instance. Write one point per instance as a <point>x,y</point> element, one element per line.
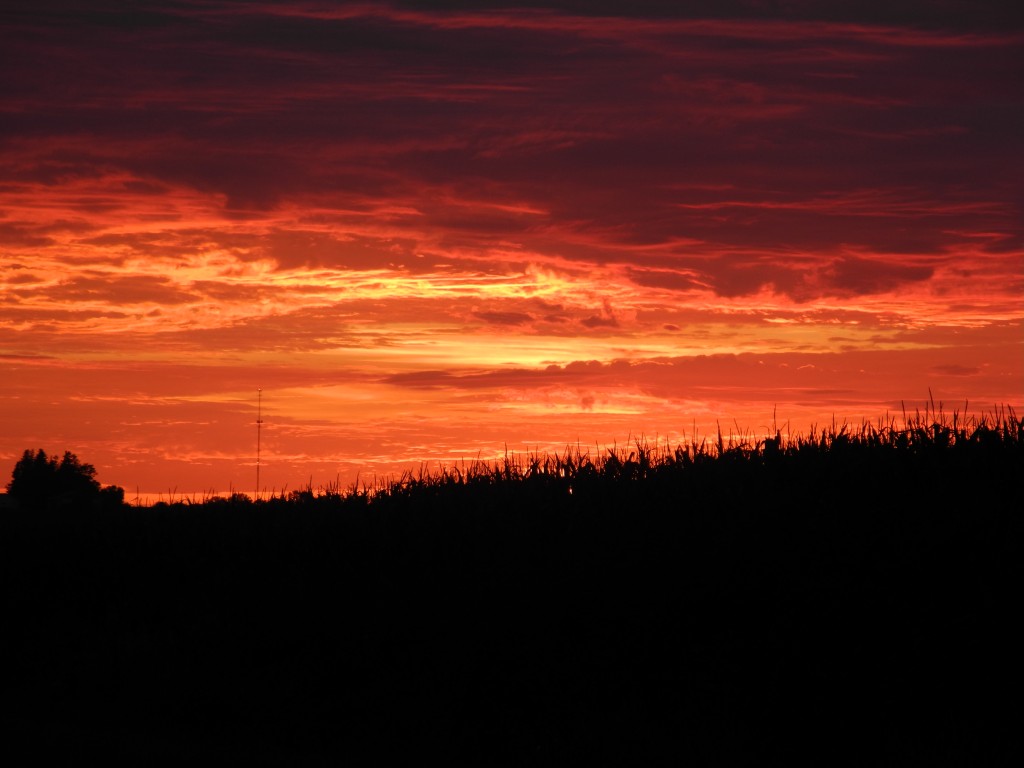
<point>447,220</point>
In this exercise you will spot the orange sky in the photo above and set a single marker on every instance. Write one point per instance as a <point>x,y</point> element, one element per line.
<point>430,233</point>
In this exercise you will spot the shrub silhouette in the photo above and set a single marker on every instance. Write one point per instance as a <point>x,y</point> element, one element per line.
<point>41,481</point>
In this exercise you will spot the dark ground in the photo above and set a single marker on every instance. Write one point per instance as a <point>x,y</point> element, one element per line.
<point>826,612</point>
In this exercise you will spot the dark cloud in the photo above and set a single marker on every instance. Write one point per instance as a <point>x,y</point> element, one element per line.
<point>13,234</point>
<point>784,377</point>
<point>504,318</point>
<point>593,321</point>
<point>957,14</point>
<point>663,279</point>
<point>292,248</point>
<point>852,275</point>
<point>741,274</point>
<point>119,290</point>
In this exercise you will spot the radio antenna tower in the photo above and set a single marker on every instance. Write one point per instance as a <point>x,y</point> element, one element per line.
<point>259,429</point>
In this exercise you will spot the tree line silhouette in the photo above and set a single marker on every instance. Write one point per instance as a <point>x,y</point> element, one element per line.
<point>828,599</point>
<point>39,482</point>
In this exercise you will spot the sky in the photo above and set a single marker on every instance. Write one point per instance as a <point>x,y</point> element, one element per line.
<point>439,231</point>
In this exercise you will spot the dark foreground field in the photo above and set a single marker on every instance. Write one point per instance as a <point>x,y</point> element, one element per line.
<point>849,599</point>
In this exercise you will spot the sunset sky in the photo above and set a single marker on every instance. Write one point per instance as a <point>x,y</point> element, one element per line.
<point>430,231</point>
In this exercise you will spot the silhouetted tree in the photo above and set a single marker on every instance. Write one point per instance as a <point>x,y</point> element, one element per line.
<point>39,481</point>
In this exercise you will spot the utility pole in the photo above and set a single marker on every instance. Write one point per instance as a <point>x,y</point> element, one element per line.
<point>259,429</point>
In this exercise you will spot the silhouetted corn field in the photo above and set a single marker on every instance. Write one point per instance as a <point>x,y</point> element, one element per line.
<point>923,441</point>
<point>848,596</point>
